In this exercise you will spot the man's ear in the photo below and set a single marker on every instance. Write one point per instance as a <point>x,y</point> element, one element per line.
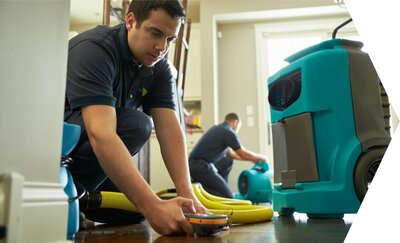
<point>237,124</point>
<point>130,21</point>
<point>233,124</point>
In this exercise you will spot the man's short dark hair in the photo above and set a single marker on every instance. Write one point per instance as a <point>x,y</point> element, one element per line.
<point>231,117</point>
<point>142,8</point>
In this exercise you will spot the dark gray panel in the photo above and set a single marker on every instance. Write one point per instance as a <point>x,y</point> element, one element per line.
<point>294,155</point>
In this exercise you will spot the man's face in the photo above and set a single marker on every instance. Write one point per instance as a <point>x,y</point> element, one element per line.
<point>151,40</point>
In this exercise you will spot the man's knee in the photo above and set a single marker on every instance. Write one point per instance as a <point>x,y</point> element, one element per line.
<point>134,127</point>
<point>133,119</point>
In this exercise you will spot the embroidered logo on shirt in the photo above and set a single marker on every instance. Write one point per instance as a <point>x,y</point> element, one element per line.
<point>144,92</point>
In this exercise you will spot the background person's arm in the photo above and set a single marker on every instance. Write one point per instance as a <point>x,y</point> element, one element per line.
<point>165,216</point>
<point>244,154</point>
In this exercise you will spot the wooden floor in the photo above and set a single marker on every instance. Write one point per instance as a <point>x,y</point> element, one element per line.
<point>297,228</point>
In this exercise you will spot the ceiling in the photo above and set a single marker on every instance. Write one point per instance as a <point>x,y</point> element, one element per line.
<point>84,12</point>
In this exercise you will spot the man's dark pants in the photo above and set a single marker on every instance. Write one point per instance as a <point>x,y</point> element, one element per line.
<point>134,128</point>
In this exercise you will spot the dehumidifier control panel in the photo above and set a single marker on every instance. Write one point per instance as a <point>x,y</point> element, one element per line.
<point>285,90</point>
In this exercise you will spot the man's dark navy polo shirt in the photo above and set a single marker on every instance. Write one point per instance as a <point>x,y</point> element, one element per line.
<point>101,70</point>
<point>214,144</point>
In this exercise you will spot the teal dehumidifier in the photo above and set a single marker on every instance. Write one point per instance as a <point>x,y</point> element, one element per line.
<point>330,128</point>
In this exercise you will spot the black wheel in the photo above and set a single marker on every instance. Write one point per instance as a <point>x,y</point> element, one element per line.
<point>365,169</point>
<point>286,212</point>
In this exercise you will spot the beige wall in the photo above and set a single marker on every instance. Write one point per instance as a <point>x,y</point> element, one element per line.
<point>237,79</point>
<point>237,85</point>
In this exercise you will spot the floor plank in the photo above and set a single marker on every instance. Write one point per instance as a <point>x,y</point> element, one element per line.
<point>297,228</point>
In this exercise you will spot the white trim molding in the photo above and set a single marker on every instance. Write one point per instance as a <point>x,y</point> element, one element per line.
<point>33,211</point>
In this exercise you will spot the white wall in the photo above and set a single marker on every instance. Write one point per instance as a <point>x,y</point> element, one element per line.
<point>33,47</point>
<point>238,86</point>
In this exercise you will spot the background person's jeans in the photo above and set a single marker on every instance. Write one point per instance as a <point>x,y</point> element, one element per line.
<point>212,176</point>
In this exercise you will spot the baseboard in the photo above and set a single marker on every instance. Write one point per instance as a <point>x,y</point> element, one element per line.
<point>32,211</point>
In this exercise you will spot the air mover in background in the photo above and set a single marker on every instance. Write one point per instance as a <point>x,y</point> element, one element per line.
<point>330,129</point>
<point>255,184</point>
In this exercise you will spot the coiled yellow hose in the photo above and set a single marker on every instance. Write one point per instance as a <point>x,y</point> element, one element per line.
<point>238,211</point>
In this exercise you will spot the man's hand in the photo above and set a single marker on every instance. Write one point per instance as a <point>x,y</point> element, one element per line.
<point>199,207</point>
<point>196,203</point>
<point>263,158</point>
<point>167,217</point>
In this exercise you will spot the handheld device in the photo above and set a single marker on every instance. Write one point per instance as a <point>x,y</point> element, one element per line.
<point>207,224</point>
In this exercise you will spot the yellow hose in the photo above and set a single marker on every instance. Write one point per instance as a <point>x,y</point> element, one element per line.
<point>166,193</point>
<point>163,191</point>
<point>218,205</point>
<point>238,212</point>
<point>246,216</point>
<point>223,200</point>
<point>116,200</point>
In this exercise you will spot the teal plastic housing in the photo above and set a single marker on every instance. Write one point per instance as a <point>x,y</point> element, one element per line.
<point>325,96</point>
<point>255,184</point>
<point>70,138</point>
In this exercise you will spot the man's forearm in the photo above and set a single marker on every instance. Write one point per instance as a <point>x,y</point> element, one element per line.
<point>174,154</point>
<point>233,154</point>
<point>173,148</point>
<point>250,156</point>
<point>120,168</point>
